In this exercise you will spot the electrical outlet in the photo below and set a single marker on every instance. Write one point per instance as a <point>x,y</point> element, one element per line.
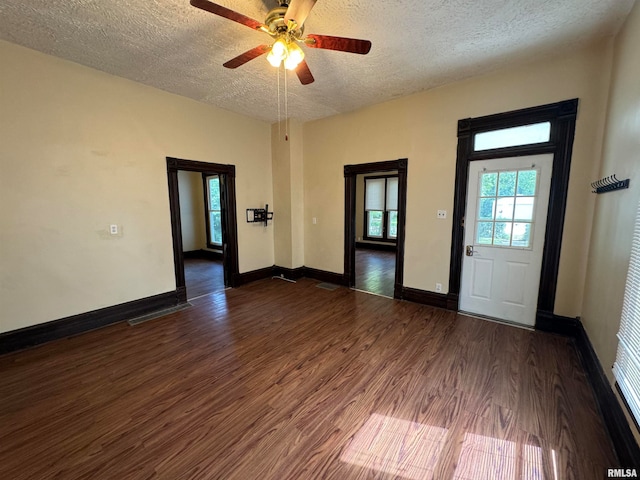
<point>113,229</point>
<point>438,287</point>
<point>314,220</point>
<point>442,214</point>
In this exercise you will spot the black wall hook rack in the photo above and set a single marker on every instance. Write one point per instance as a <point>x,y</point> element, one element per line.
<point>255,215</point>
<point>609,184</point>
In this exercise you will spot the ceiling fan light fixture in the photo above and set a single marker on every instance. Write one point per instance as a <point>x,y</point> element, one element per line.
<point>295,56</point>
<point>285,24</point>
<point>279,51</point>
<point>273,59</point>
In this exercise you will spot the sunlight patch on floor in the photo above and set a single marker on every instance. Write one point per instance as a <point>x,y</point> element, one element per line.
<point>412,450</point>
<point>395,446</point>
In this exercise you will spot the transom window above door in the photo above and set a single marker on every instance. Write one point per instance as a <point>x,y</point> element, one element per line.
<point>506,208</point>
<point>512,137</point>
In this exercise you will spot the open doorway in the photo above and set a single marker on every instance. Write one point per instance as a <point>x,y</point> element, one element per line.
<point>201,229</point>
<point>204,226</point>
<point>374,226</point>
<point>376,232</point>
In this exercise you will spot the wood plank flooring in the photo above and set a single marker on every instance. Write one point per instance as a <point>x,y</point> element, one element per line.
<point>277,381</point>
<point>375,271</point>
<point>203,276</point>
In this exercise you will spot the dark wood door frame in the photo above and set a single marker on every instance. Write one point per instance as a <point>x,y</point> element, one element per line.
<point>350,173</point>
<point>562,116</point>
<point>229,219</point>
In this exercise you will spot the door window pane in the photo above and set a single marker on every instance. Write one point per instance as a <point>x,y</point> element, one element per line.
<point>488,182</point>
<point>511,137</point>
<point>524,208</point>
<point>485,233</point>
<point>486,208</point>
<point>527,182</point>
<point>374,223</point>
<point>521,236</point>
<point>502,234</point>
<point>507,184</point>
<point>505,213</point>
<point>504,209</point>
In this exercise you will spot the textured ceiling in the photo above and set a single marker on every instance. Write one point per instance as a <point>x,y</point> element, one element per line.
<point>417,45</point>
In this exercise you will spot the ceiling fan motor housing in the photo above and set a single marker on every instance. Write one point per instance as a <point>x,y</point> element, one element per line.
<point>275,21</point>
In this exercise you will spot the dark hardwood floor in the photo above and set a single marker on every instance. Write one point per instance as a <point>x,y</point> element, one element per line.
<point>203,276</point>
<point>375,271</point>
<point>279,381</point>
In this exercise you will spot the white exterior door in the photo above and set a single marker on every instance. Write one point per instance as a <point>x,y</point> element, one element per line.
<point>506,215</point>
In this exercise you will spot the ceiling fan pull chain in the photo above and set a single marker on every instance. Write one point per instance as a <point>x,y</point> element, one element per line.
<point>278,75</point>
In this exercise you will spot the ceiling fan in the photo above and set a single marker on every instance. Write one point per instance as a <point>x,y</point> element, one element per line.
<point>285,24</point>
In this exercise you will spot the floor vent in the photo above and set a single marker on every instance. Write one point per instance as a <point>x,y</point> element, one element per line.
<point>328,286</point>
<point>158,314</point>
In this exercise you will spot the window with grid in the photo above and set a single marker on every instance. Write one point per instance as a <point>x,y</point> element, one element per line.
<point>381,208</point>
<point>627,365</point>
<point>214,213</point>
<point>506,208</point>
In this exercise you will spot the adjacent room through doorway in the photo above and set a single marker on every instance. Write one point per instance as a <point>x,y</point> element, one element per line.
<point>375,201</point>
<point>202,203</point>
<point>201,229</point>
<point>376,232</point>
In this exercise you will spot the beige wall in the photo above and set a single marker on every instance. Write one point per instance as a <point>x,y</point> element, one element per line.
<point>81,150</point>
<point>288,221</point>
<point>423,129</point>
<point>191,191</point>
<point>615,212</point>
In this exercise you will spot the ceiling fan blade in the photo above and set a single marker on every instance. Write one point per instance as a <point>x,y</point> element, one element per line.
<point>247,56</point>
<point>299,11</point>
<point>304,74</point>
<point>342,44</point>
<point>226,13</point>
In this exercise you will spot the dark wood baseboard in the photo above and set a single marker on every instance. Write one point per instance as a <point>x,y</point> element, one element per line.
<point>181,294</point>
<point>253,275</point>
<point>324,276</point>
<point>610,409</point>
<point>84,322</point>
<point>453,301</point>
<point>289,273</point>
<point>204,254</point>
<point>424,297</point>
<point>389,247</point>
<point>552,323</point>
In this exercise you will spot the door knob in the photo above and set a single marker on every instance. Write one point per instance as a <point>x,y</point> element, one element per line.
<point>469,250</point>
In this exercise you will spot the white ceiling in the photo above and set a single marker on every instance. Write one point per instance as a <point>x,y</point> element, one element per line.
<point>417,45</point>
